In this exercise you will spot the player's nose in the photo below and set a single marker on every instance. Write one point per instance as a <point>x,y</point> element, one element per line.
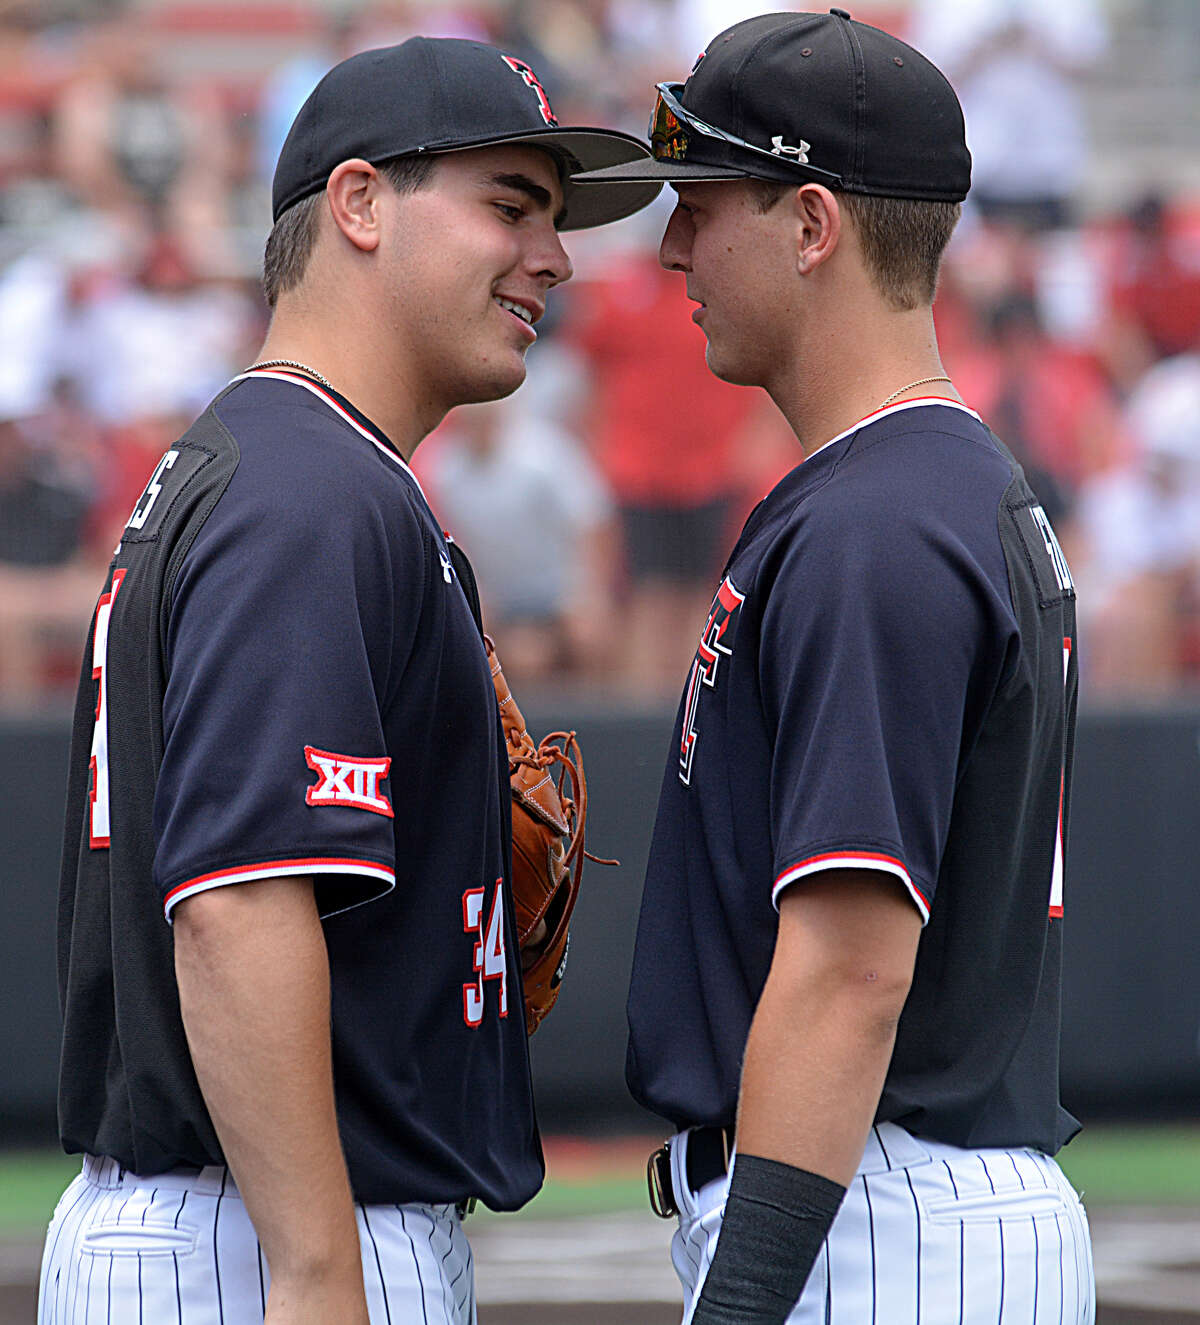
<point>548,257</point>
<point>675,251</point>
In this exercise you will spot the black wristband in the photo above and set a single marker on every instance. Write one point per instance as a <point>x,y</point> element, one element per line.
<point>776,1219</point>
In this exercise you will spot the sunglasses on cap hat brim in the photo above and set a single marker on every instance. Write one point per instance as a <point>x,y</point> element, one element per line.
<point>671,119</point>
<point>670,125</point>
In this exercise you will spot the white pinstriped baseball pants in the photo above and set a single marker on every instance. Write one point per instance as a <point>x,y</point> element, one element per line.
<point>180,1248</point>
<point>928,1234</point>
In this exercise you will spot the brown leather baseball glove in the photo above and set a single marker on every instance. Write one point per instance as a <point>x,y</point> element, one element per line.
<point>547,846</point>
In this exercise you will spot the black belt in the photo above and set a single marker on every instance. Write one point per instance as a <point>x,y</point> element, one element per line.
<point>708,1151</point>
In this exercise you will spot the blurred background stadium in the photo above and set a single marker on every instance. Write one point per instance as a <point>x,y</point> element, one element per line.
<point>137,142</point>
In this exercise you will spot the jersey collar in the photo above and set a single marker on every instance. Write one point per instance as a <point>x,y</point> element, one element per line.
<point>878,414</point>
<point>807,474</point>
<point>344,409</point>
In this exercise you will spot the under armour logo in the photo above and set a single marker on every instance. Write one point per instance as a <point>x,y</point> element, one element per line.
<point>348,781</point>
<point>780,148</point>
<point>445,560</point>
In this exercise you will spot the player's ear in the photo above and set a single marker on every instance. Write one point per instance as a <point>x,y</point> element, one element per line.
<point>818,222</point>
<point>353,194</point>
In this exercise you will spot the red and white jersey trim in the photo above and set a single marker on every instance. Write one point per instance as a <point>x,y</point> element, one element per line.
<point>897,409</point>
<point>270,869</point>
<point>852,860</point>
<point>296,380</point>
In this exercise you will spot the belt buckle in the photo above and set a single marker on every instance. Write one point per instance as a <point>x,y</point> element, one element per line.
<point>658,1182</point>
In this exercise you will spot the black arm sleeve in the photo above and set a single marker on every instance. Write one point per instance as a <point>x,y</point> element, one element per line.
<point>776,1219</point>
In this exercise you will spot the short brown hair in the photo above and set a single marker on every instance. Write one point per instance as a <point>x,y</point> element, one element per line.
<point>902,242</point>
<point>902,239</point>
<point>290,243</point>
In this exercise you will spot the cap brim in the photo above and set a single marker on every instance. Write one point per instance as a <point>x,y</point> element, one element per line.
<point>648,169</point>
<point>587,151</point>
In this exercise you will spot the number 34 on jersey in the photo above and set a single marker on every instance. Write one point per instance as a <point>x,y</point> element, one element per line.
<point>490,956</point>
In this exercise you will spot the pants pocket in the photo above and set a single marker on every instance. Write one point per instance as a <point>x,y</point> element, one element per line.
<point>147,1239</point>
<point>986,1208</point>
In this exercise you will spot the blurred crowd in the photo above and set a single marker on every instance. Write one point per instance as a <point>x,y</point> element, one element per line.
<point>137,143</point>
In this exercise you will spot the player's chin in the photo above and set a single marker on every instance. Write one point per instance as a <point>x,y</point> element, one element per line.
<point>501,378</point>
<point>729,369</point>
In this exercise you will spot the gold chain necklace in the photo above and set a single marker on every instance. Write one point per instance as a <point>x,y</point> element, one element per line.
<point>303,367</point>
<point>921,381</point>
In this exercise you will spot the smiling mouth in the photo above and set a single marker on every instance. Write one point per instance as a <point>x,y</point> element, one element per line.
<point>525,314</point>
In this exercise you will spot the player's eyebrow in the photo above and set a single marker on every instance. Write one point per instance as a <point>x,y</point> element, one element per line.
<point>533,191</point>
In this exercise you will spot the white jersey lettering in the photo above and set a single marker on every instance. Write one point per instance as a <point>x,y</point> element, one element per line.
<point>1056,874</point>
<point>348,781</point>
<point>490,956</point>
<point>141,512</point>
<point>99,819</point>
<point>1062,572</point>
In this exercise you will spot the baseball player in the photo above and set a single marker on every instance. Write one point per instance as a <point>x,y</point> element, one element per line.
<point>294,1048</point>
<point>853,906</point>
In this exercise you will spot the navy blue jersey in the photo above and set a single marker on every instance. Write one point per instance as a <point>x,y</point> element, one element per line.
<point>886,680</point>
<point>285,677</point>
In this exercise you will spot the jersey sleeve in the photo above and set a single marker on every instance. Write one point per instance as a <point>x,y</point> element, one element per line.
<point>876,636</point>
<point>285,633</point>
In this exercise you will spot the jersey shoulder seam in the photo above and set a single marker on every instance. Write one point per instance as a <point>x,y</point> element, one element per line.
<point>857,449</point>
<point>325,415</point>
<point>1011,508</point>
<point>209,419</point>
<point>183,444</point>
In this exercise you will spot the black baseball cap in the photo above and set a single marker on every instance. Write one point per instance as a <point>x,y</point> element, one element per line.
<point>444,94</point>
<point>821,97</point>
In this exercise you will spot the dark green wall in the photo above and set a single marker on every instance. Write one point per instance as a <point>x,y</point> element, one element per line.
<point>1131,1001</point>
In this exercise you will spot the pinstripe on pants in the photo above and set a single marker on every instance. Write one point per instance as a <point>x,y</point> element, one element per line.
<point>180,1248</point>
<point>928,1235</point>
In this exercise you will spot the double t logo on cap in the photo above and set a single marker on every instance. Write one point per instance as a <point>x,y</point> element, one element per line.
<point>530,80</point>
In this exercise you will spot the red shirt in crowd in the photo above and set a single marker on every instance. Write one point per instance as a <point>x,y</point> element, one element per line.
<point>662,427</point>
